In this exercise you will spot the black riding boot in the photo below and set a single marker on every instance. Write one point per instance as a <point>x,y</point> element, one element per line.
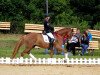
<point>51,43</point>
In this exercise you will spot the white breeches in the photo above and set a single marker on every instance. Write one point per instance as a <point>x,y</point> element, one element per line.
<point>50,35</point>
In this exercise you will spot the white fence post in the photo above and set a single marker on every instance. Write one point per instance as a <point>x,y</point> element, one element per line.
<point>39,61</point>
<point>98,60</point>
<point>94,61</point>
<point>59,61</point>
<point>81,61</point>
<point>13,61</point>
<point>30,61</point>
<point>63,61</point>
<point>76,61</point>
<point>2,60</point>
<point>7,60</point>
<point>44,61</point>
<point>49,61</point>
<point>85,61</point>
<point>53,60</point>
<point>67,61</point>
<point>35,61</point>
<point>17,61</point>
<point>26,61</point>
<point>90,61</point>
<point>21,60</point>
<point>72,61</point>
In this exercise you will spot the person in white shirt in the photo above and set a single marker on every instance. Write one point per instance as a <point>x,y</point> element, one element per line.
<point>71,44</point>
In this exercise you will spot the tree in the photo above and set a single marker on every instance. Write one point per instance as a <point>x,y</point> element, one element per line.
<point>87,9</point>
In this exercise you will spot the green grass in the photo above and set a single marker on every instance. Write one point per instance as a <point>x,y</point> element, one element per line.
<point>7,43</point>
<point>96,55</point>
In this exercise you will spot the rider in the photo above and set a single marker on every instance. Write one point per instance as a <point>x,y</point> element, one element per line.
<point>48,30</point>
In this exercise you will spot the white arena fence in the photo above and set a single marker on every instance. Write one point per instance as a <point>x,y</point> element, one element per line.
<point>73,61</point>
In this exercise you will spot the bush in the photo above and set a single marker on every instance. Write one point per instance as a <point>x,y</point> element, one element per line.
<point>17,27</point>
<point>80,25</point>
<point>97,26</point>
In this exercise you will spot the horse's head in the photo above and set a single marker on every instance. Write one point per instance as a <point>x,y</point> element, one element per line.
<point>65,32</point>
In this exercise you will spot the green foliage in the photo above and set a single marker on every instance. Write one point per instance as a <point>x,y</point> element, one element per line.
<point>97,26</point>
<point>62,12</point>
<point>83,25</point>
<point>17,26</point>
<point>87,9</point>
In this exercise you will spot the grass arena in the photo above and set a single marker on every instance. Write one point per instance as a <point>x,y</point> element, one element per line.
<point>6,46</point>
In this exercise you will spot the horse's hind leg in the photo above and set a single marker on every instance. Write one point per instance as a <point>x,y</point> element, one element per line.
<point>26,51</point>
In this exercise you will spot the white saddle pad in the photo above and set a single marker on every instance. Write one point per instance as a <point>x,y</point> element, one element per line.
<point>45,38</point>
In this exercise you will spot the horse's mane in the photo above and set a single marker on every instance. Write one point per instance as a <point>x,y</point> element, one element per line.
<point>63,30</point>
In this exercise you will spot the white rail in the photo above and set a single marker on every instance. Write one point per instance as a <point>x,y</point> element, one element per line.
<point>7,60</point>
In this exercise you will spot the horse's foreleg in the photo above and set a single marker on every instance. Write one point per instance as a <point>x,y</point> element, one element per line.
<point>51,53</point>
<point>32,56</point>
<point>64,50</point>
<point>60,48</point>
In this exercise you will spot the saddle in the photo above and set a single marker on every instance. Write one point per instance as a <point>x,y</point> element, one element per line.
<point>48,39</point>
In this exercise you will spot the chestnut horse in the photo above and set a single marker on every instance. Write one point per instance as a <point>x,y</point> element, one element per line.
<point>36,39</point>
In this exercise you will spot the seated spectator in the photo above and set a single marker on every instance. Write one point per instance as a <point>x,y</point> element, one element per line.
<point>71,44</point>
<point>84,43</point>
<point>78,35</point>
<point>89,35</point>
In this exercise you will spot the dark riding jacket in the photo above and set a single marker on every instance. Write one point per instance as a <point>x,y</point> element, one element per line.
<point>47,27</point>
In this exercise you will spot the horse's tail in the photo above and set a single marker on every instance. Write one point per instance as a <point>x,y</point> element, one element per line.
<point>18,45</point>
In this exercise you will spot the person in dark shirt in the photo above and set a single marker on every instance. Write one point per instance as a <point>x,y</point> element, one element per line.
<point>48,29</point>
<point>84,43</point>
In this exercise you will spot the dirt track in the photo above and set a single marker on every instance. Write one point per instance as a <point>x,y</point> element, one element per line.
<point>49,70</point>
